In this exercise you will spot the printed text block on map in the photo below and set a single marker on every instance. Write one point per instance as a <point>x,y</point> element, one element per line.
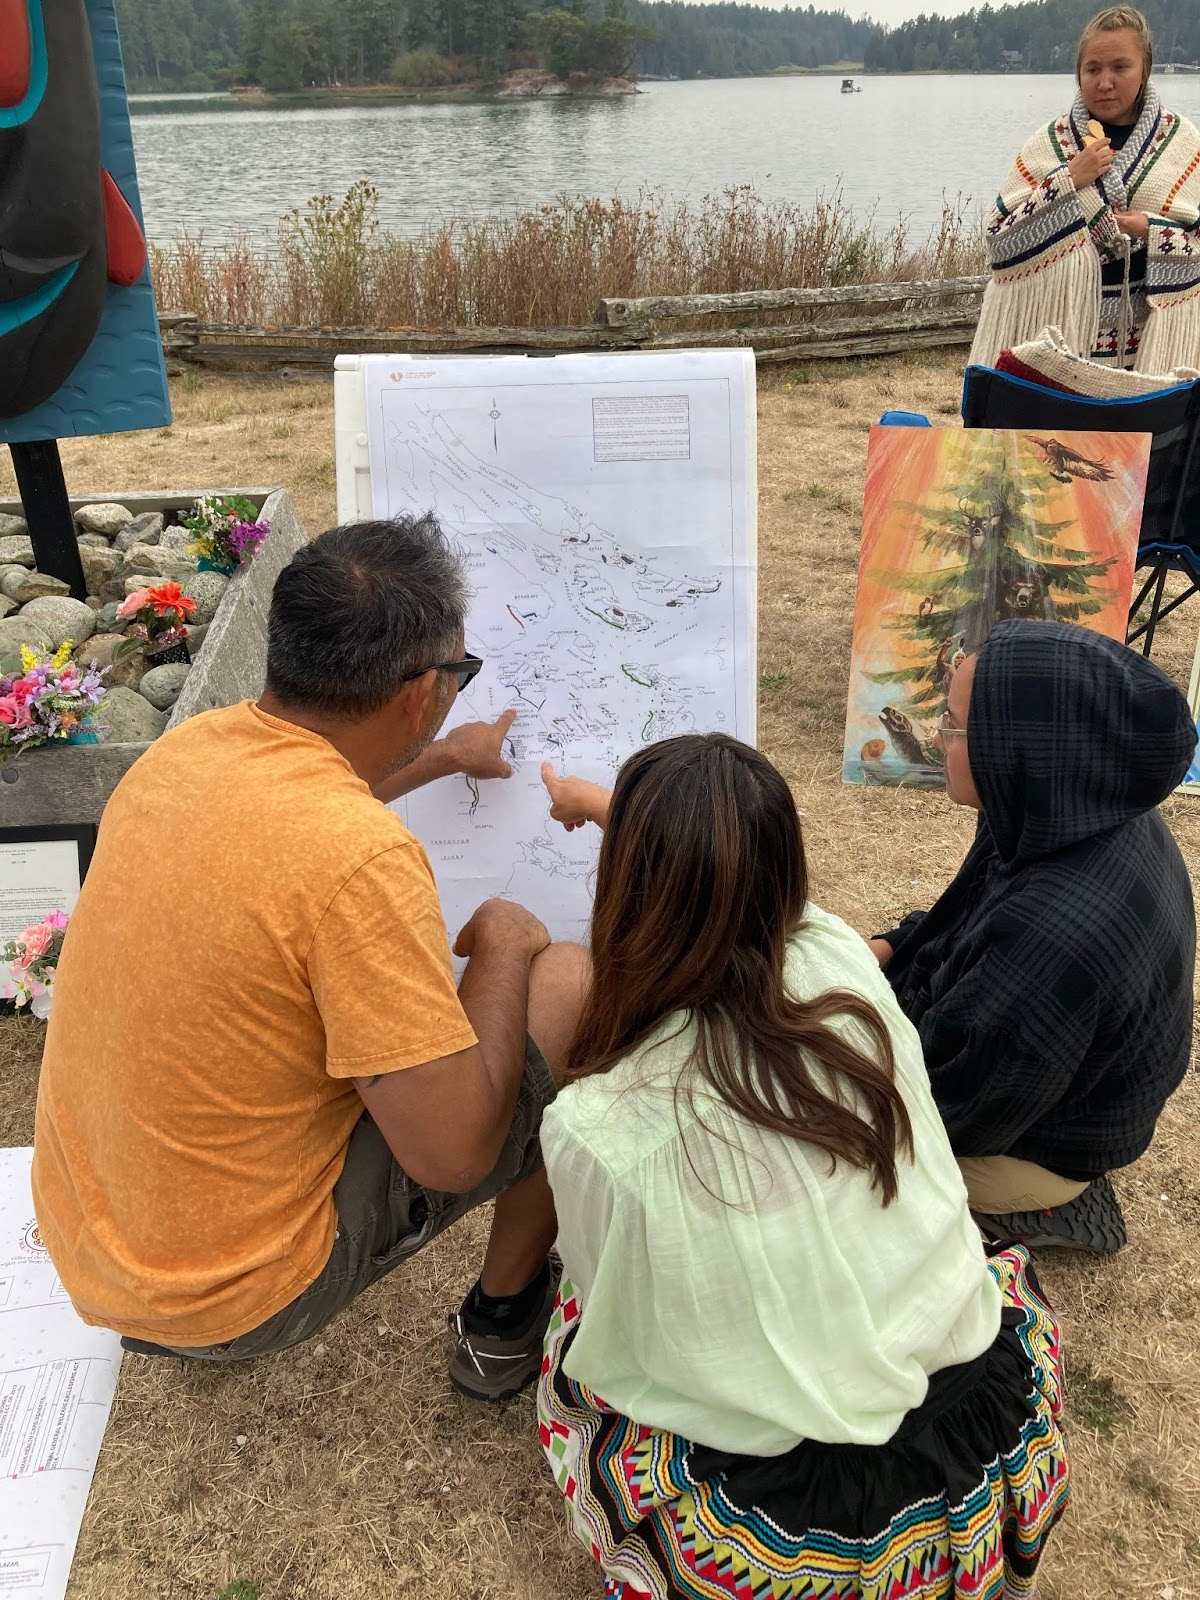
<point>642,428</point>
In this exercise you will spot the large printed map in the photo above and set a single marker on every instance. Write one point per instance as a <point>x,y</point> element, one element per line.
<point>602,507</point>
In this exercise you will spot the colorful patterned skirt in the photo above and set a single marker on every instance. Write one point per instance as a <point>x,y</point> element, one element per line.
<point>957,1504</point>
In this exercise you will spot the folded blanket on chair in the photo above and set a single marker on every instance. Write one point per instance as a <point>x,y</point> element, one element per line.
<point>1049,361</point>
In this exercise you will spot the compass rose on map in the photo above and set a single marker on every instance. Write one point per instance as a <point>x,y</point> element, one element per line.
<point>495,416</point>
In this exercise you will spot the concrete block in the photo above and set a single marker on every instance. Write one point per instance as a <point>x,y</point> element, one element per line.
<point>232,664</point>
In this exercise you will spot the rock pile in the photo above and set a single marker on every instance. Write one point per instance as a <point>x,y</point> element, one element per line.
<point>120,553</point>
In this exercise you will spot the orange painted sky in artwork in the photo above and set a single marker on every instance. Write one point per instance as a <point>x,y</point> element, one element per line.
<point>919,466</point>
<point>909,467</point>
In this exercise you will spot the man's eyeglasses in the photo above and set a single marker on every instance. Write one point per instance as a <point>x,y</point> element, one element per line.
<point>463,670</point>
<point>947,725</point>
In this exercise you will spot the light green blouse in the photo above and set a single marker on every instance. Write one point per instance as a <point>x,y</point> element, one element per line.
<point>737,1290</point>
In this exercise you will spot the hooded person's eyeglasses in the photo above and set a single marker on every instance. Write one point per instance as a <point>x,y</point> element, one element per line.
<point>464,670</point>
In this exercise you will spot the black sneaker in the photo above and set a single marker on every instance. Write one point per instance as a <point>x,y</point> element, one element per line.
<point>489,1367</point>
<point>1092,1221</point>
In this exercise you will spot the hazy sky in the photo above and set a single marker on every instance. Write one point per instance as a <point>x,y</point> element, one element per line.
<point>894,11</point>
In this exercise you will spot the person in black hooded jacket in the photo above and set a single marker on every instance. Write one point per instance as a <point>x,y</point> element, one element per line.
<point>1051,983</point>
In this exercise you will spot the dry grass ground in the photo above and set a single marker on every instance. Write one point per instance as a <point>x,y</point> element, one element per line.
<point>352,1470</point>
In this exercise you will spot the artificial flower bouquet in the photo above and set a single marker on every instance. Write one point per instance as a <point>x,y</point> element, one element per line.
<point>29,962</point>
<point>50,697</point>
<point>226,532</point>
<point>158,616</point>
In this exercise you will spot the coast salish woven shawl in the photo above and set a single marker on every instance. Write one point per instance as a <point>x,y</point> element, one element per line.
<point>1046,240</point>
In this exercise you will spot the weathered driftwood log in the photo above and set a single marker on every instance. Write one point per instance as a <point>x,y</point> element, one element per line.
<point>228,349</point>
<point>650,308</point>
<point>802,342</point>
<point>877,344</point>
<point>244,349</point>
<point>950,327</point>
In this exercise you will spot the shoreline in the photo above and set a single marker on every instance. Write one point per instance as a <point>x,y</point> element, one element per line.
<point>519,87</point>
<point>149,102</point>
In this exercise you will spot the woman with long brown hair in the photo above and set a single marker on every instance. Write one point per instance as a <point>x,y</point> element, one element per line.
<point>780,1363</point>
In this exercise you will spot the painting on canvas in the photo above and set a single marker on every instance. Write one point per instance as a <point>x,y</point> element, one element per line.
<point>960,531</point>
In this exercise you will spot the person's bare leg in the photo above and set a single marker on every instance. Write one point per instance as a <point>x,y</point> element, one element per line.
<point>523,1223</point>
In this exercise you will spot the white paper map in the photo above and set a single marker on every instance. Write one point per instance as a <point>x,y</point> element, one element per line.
<point>604,509</point>
<point>57,1379</point>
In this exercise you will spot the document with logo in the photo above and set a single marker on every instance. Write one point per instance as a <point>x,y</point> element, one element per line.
<point>57,1379</point>
<point>604,511</point>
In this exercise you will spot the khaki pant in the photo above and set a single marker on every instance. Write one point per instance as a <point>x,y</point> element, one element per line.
<point>384,1218</point>
<point>998,1185</point>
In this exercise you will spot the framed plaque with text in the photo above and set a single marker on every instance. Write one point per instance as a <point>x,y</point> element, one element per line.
<point>41,870</point>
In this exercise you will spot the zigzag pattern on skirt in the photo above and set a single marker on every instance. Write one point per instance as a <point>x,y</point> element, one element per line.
<point>661,1533</point>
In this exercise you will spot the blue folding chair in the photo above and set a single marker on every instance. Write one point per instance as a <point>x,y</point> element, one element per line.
<point>1169,539</point>
<point>904,419</point>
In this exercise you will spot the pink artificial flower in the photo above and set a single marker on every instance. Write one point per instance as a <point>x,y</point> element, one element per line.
<point>57,919</point>
<point>35,942</point>
<point>14,713</point>
<point>132,604</point>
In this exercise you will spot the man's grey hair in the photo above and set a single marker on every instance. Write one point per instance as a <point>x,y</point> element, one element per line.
<point>360,608</point>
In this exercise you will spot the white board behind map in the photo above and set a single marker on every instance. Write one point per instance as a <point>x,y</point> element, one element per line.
<point>57,1379</point>
<point>605,510</point>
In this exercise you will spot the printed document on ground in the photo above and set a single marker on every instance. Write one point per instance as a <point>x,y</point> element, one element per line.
<point>604,508</point>
<point>57,1379</point>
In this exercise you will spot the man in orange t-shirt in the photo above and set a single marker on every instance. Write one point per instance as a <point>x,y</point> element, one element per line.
<point>204,1174</point>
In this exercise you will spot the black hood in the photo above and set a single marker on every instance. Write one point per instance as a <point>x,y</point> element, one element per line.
<point>1070,734</point>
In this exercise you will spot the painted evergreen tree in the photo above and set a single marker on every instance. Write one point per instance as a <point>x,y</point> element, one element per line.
<point>1004,557</point>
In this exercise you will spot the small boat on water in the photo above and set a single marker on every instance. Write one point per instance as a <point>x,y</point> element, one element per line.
<point>849,87</point>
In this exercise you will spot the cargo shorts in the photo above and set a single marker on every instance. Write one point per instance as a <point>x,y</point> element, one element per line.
<point>384,1218</point>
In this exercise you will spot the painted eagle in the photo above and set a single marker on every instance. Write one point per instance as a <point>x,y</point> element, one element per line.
<point>1065,463</point>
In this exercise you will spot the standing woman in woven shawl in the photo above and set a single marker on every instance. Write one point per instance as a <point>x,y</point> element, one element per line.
<point>1101,237</point>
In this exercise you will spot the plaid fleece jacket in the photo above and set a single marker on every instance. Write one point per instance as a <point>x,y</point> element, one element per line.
<point>1052,982</point>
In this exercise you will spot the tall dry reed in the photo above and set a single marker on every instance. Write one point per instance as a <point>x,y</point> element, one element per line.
<point>335,267</point>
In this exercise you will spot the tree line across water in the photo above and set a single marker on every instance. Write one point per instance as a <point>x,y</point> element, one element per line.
<point>287,45</point>
<point>1036,36</point>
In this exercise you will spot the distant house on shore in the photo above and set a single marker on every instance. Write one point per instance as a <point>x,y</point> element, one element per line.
<point>1011,58</point>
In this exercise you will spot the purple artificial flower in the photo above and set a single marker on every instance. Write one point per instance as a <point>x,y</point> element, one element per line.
<point>244,539</point>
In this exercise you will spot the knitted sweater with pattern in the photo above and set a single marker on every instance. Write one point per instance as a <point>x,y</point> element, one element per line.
<point>1051,984</point>
<point>1047,240</point>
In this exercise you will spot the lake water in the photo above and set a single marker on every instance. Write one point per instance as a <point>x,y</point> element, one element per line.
<point>897,148</point>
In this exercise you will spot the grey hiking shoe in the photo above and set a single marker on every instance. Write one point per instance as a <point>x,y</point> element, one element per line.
<point>487,1367</point>
<point>1092,1221</point>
